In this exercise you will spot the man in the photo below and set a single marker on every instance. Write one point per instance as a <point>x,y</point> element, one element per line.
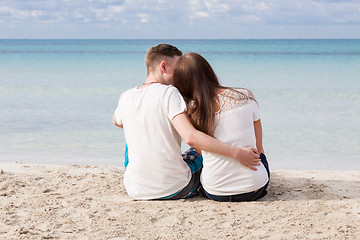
<point>154,120</point>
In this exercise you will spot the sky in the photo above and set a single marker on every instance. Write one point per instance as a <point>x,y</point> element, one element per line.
<point>179,19</point>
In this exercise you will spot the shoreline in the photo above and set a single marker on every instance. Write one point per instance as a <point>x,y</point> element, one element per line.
<point>90,202</point>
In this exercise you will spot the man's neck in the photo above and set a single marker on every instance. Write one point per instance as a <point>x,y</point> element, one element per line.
<point>152,77</point>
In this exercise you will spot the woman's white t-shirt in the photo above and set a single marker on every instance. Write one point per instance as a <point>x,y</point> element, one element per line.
<point>156,168</point>
<point>222,175</point>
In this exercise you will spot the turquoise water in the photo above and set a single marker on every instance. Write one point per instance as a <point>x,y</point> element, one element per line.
<point>57,97</point>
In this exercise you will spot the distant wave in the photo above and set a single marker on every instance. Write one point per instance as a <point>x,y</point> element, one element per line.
<point>67,52</point>
<point>265,53</point>
<point>286,53</point>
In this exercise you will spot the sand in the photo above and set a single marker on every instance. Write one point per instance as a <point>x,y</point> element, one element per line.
<point>90,202</point>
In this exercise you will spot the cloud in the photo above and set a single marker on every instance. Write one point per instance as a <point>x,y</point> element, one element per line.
<point>216,6</point>
<point>313,12</point>
<point>256,7</point>
<point>148,11</point>
<point>19,14</point>
<point>116,8</point>
<point>205,16</point>
<point>144,18</point>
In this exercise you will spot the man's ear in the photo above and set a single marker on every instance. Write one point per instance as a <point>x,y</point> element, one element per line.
<point>163,66</point>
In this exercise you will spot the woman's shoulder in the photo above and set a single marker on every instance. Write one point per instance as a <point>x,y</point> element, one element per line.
<point>237,93</point>
<point>232,98</point>
<point>244,91</point>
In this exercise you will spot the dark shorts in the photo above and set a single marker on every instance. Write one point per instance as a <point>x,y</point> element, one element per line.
<point>250,196</point>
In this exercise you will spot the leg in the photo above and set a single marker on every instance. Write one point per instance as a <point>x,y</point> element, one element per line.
<point>214,197</point>
<point>194,161</point>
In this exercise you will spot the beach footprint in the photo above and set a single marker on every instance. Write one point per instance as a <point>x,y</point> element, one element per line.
<point>164,221</point>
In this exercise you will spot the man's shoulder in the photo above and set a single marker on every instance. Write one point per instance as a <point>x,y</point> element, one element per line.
<point>127,92</point>
<point>163,91</point>
<point>165,87</point>
<point>160,91</point>
<point>170,89</point>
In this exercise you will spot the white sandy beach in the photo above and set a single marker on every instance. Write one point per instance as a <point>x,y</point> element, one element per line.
<point>88,202</point>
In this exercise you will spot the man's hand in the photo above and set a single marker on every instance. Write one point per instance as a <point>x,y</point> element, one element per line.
<point>115,122</point>
<point>249,157</point>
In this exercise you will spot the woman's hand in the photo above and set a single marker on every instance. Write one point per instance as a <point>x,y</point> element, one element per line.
<point>249,157</point>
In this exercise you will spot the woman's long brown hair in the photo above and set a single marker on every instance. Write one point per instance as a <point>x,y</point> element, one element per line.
<point>198,84</point>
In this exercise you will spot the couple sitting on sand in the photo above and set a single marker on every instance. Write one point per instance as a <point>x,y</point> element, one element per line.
<point>182,98</point>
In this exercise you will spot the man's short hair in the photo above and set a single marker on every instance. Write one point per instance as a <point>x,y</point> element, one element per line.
<point>156,54</point>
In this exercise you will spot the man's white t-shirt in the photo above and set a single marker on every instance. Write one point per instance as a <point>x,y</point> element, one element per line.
<point>156,168</point>
<point>224,176</point>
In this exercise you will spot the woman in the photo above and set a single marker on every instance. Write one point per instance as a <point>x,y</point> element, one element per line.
<point>231,116</point>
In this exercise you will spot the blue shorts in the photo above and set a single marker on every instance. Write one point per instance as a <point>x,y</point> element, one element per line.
<point>195,163</point>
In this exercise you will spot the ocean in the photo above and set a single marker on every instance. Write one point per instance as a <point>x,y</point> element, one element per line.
<point>57,97</point>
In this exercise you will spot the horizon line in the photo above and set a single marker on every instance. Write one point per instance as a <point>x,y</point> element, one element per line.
<point>179,39</point>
